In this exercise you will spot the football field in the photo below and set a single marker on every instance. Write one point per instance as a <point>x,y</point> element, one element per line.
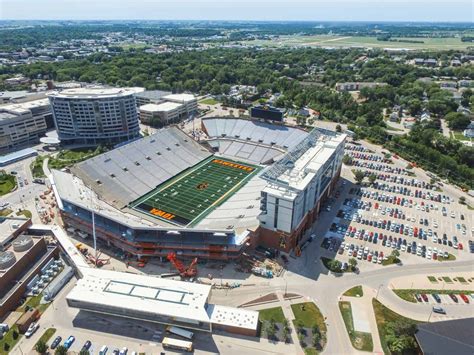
<point>191,195</point>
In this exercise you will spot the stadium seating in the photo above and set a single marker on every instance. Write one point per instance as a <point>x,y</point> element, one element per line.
<point>130,171</point>
<point>254,131</point>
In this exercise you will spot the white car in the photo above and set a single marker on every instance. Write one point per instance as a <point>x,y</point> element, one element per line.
<point>31,329</point>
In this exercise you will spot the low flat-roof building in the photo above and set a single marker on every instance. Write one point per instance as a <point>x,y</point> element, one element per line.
<point>21,259</point>
<point>151,97</point>
<point>17,156</point>
<point>23,123</point>
<point>159,300</point>
<point>162,114</point>
<point>189,101</point>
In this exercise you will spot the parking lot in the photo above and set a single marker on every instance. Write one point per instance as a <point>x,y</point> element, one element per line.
<point>398,211</point>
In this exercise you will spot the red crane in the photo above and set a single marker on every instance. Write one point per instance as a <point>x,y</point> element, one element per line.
<point>184,272</point>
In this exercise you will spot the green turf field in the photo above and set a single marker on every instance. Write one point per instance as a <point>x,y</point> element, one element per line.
<point>191,195</point>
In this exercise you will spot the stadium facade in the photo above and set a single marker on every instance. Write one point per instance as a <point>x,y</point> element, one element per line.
<point>249,183</point>
<point>95,116</point>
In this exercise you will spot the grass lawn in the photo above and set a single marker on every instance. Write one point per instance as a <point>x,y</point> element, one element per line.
<point>209,101</point>
<point>390,261</point>
<point>48,333</point>
<point>383,315</point>
<point>355,291</point>
<point>268,314</point>
<point>327,265</point>
<point>34,302</point>
<point>5,212</point>
<point>68,157</point>
<point>451,257</point>
<point>433,279</point>
<point>9,339</point>
<point>310,316</point>
<point>7,183</point>
<point>459,136</point>
<point>25,213</point>
<point>36,167</point>
<point>360,340</point>
<point>409,295</point>
<point>461,280</point>
<point>310,351</point>
<point>447,279</point>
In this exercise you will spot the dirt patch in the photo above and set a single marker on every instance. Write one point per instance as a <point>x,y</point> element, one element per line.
<point>271,297</point>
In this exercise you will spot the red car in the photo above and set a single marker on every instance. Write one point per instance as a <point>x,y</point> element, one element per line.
<point>425,297</point>
<point>464,298</point>
<point>453,297</point>
<point>460,246</point>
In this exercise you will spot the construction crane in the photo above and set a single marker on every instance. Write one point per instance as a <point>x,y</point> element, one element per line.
<point>184,272</point>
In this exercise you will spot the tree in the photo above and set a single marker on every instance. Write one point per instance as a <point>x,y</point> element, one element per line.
<point>358,176</point>
<point>347,159</point>
<point>372,178</point>
<point>41,347</point>
<point>457,120</point>
<point>271,329</point>
<point>84,352</point>
<point>353,263</point>
<point>316,338</point>
<point>338,128</point>
<point>395,253</point>
<point>334,265</point>
<point>60,350</point>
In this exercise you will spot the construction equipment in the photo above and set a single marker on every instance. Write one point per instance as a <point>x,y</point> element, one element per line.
<point>184,272</point>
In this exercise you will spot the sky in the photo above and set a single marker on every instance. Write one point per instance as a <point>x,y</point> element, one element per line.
<point>260,10</point>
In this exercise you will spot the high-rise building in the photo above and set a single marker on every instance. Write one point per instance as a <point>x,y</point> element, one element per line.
<point>95,115</point>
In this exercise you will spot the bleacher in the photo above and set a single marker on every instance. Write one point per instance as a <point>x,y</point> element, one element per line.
<point>251,152</point>
<point>254,131</point>
<point>130,171</point>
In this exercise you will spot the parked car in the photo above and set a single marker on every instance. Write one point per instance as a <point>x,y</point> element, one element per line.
<point>436,297</point>
<point>464,298</point>
<point>31,329</point>
<point>87,345</point>
<point>67,344</point>
<point>453,297</point>
<point>56,342</point>
<point>439,310</point>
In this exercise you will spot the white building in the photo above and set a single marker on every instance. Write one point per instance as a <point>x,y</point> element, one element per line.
<point>23,123</point>
<point>189,101</point>
<point>154,299</point>
<point>162,114</point>
<point>95,115</point>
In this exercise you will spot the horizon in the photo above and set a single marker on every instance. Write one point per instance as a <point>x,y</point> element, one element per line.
<point>378,11</point>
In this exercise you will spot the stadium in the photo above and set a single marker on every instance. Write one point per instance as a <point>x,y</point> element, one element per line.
<point>240,184</point>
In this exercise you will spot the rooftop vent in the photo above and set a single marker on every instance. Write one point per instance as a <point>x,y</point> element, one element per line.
<point>147,157</point>
<point>22,243</point>
<point>7,259</point>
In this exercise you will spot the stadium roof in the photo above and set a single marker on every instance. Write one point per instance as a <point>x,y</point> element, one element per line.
<point>140,293</point>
